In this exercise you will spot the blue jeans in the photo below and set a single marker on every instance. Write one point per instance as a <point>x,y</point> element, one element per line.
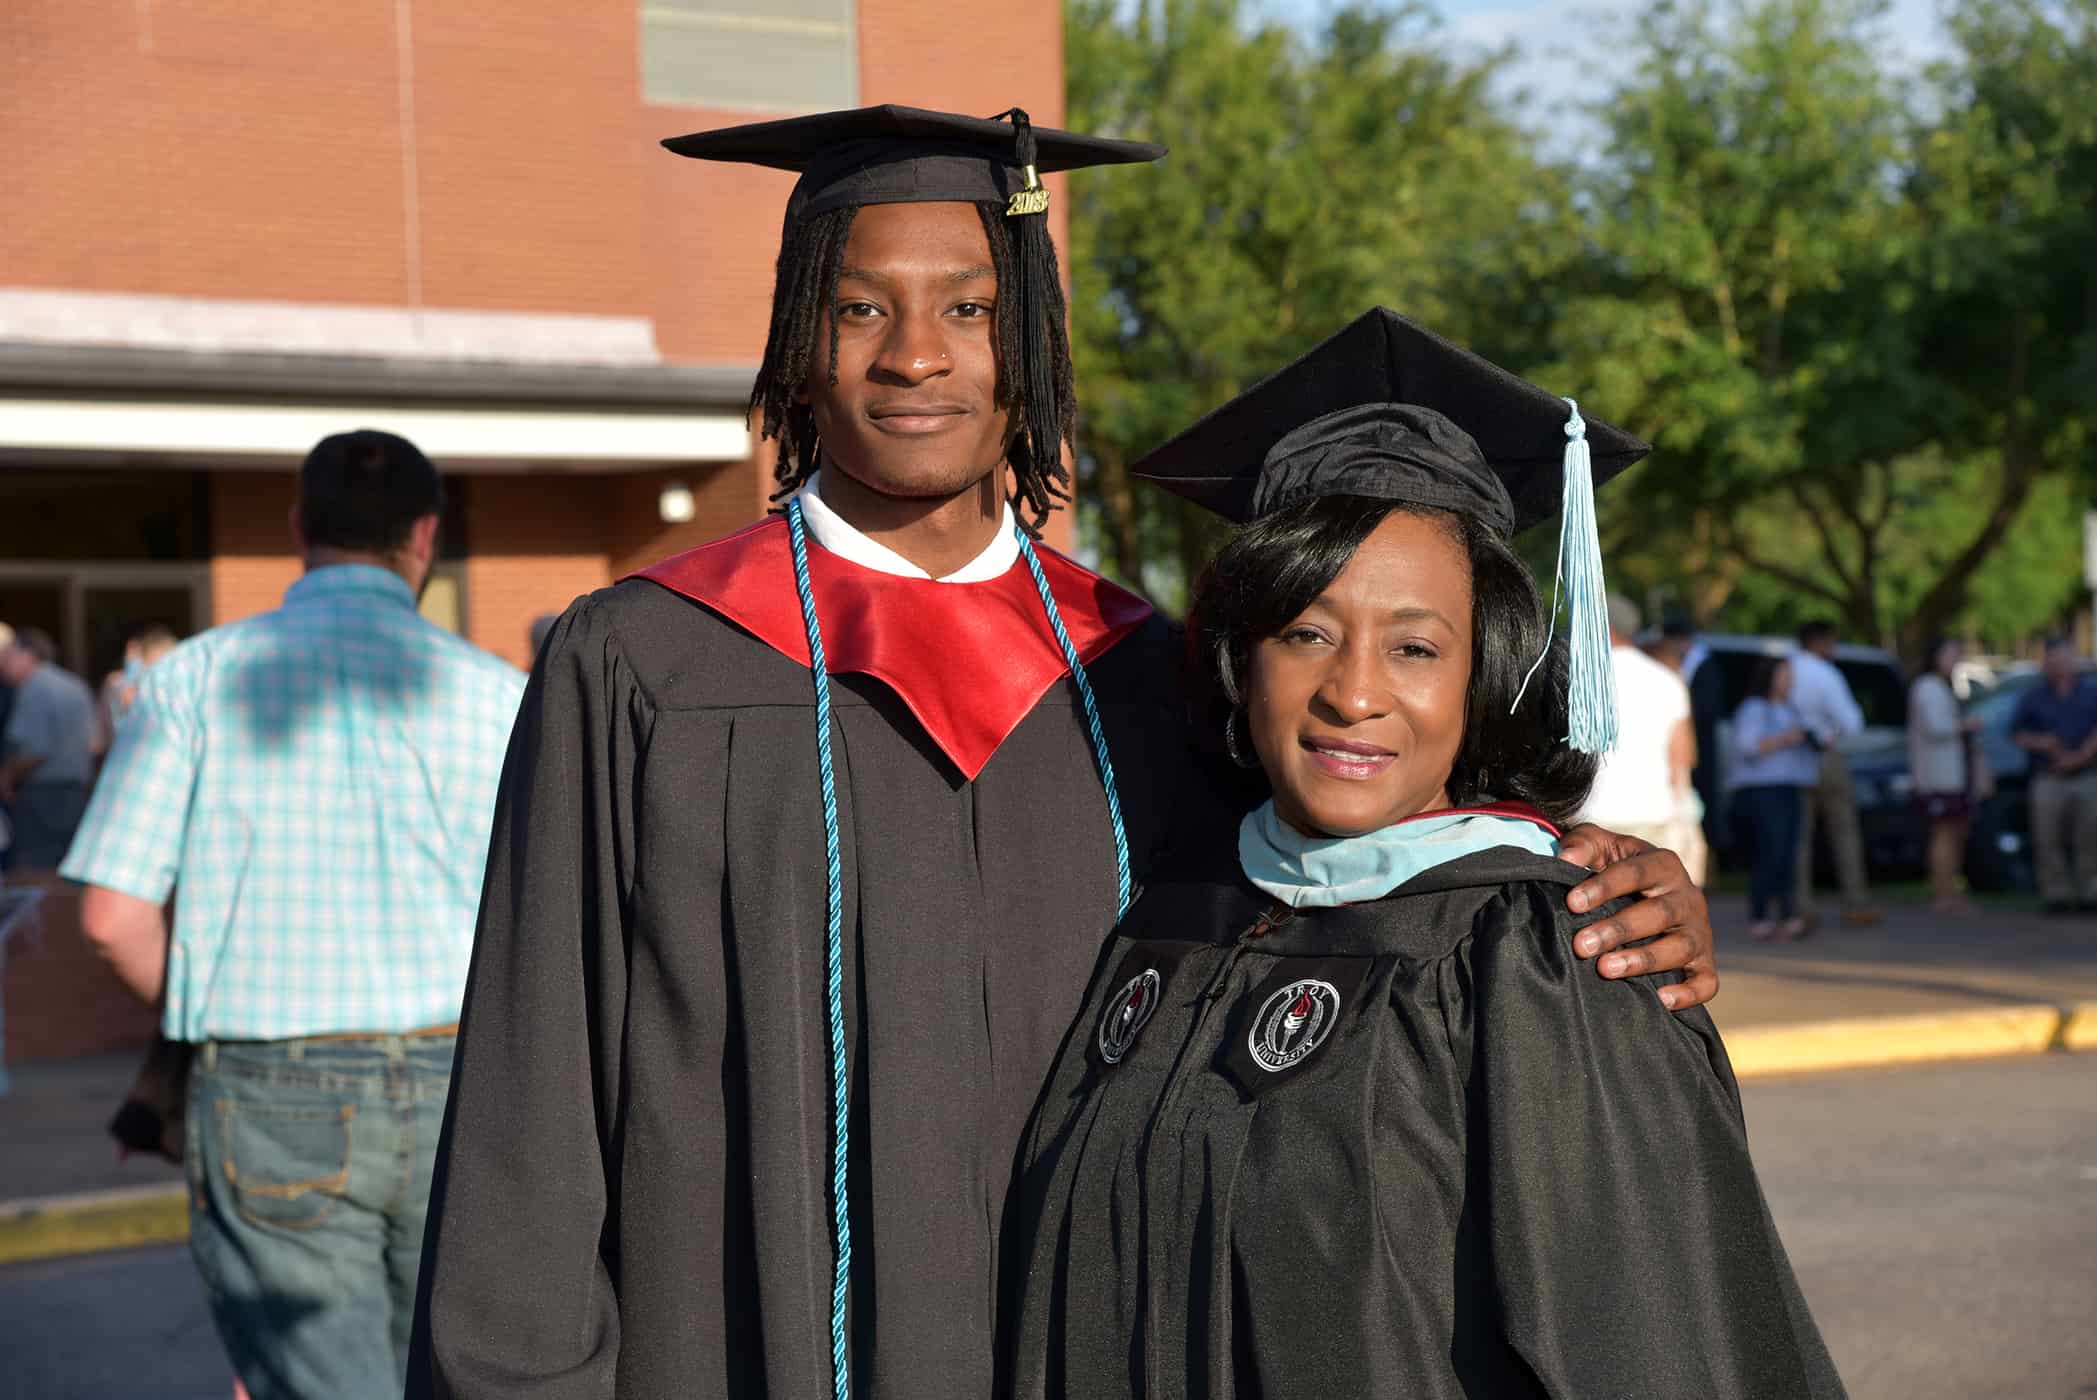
<point>1773,816</point>
<point>309,1173</point>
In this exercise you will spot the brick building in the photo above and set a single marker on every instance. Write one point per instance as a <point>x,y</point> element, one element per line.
<point>233,226</point>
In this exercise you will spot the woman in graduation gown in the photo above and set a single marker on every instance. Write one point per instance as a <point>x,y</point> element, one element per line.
<point>1343,1115</point>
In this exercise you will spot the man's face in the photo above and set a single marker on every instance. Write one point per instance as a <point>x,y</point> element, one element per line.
<point>16,662</point>
<point>915,411</point>
<point>2058,665</point>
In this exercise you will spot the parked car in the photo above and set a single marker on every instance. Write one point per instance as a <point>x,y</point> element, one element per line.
<point>1875,678</point>
<point>1998,851</point>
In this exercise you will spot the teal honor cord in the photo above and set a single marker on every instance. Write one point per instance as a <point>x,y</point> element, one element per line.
<point>833,941</point>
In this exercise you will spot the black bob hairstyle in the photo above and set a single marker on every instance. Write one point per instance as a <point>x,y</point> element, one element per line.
<point>1276,567</point>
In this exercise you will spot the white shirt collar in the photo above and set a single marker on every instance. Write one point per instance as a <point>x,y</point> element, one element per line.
<point>841,538</point>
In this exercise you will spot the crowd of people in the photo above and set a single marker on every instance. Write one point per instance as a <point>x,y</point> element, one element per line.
<point>54,733</point>
<point>1780,761</point>
<point>790,1062</point>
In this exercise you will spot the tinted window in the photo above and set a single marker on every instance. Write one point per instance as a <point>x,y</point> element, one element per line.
<point>1996,706</point>
<point>1881,691</point>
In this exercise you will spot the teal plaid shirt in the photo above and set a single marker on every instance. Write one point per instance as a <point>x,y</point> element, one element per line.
<point>316,785</point>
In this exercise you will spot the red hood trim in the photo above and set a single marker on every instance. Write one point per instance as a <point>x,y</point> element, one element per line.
<point>970,660</point>
<point>1518,811</point>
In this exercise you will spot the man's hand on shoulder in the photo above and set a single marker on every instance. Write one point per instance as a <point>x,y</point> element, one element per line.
<point>1671,912</point>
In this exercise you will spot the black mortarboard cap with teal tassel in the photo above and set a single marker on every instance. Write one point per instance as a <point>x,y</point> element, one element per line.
<point>1389,410</point>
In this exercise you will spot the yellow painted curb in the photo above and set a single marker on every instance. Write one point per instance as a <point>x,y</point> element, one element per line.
<point>85,1224</point>
<point>61,1225</point>
<point>1896,1040</point>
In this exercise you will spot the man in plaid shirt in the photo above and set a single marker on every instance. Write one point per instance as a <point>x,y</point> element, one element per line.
<point>316,786</point>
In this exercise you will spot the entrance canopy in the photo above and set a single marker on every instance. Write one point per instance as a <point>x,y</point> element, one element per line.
<point>256,383</point>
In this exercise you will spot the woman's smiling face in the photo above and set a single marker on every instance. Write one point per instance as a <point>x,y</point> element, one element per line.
<point>1357,705</point>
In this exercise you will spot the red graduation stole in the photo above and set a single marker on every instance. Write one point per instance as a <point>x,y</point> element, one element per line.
<point>970,660</point>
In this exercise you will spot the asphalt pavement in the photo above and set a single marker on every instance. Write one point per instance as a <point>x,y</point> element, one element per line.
<point>1943,1219</point>
<point>1943,1222</point>
<point>126,1325</point>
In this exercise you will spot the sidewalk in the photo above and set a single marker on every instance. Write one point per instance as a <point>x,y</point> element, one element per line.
<point>1917,987</point>
<point>63,1189</point>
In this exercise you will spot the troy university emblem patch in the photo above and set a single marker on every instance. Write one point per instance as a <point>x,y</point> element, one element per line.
<point>1293,1022</point>
<point>1128,1011</point>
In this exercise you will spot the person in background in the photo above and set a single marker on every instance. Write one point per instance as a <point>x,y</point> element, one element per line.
<point>120,688</point>
<point>318,784</point>
<point>7,704</point>
<point>1831,713</point>
<point>2056,722</point>
<point>1937,736</point>
<point>1707,705</point>
<point>541,628</point>
<point>1773,764</point>
<point>1677,646</point>
<point>47,753</point>
<point>1639,787</point>
<point>1681,651</point>
<point>7,692</point>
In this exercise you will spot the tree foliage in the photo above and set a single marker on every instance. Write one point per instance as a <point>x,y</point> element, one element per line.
<point>1309,179</point>
<point>1856,313</point>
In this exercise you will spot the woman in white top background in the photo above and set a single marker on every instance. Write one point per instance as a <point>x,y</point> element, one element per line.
<point>1937,732</point>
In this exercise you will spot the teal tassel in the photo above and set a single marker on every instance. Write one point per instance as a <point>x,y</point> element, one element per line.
<point>1591,678</point>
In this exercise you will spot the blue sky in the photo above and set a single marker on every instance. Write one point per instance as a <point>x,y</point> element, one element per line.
<point>1560,39</point>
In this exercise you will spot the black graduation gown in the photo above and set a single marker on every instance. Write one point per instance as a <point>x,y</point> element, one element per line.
<point>1409,1148</point>
<point>633,1189</point>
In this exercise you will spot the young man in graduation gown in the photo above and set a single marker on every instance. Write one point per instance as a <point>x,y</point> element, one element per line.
<point>774,955</point>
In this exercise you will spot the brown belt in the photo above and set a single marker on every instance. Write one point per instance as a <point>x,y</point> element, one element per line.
<point>426,1031</point>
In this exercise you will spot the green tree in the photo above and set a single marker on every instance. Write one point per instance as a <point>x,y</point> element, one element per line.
<point>1750,259</point>
<point>1310,178</point>
<point>1856,314</point>
<point>1864,336</point>
<point>2005,185</point>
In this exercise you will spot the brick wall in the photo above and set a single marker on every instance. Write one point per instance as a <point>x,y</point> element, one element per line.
<point>249,148</point>
<point>533,543</point>
<point>488,155</point>
<point>727,497</point>
<point>61,999</point>
<point>252,561</point>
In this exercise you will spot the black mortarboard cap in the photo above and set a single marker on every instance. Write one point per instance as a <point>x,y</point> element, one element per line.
<point>1389,410</point>
<point>907,155</point>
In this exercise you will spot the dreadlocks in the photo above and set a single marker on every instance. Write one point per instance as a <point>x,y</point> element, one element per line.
<point>1029,328</point>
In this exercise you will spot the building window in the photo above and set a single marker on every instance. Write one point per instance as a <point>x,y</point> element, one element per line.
<point>785,55</point>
